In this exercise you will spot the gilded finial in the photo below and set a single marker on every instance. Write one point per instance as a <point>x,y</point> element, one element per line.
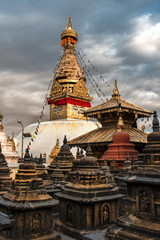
<point>69,36</point>
<point>115,91</point>
<point>69,24</point>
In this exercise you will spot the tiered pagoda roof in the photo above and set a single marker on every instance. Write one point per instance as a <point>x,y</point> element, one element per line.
<point>115,115</point>
<point>115,103</point>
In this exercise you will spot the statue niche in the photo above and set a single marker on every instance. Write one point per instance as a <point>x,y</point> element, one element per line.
<point>104,214</point>
<point>36,222</point>
<point>69,211</point>
<point>144,202</point>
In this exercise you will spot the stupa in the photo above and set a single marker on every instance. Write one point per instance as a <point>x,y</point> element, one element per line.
<point>5,178</point>
<point>69,97</point>
<point>89,201</point>
<point>62,164</point>
<point>110,114</point>
<point>142,209</point>
<point>29,204</point>
<point>7,145</point>
<point>55,151</point>
<point>119,150</point>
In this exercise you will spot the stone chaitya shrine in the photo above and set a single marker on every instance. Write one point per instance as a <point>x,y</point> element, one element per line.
<point>89,201</point>
<point>5,178</point>
<point>142,202</point>
<point>61,165</point>
<point>29,205</point>
<point>119,150</point>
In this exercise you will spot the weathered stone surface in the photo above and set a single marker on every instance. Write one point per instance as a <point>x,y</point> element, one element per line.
<point>90,200</point>
<point>142,202</point>
<point>29,204</point>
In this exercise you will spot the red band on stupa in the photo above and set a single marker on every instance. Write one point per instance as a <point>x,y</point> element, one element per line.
<point>73,101</point>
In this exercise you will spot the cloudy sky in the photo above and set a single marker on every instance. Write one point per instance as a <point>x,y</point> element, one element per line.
<point>120,37</point>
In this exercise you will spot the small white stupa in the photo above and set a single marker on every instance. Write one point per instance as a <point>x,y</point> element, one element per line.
<point>8,145</point>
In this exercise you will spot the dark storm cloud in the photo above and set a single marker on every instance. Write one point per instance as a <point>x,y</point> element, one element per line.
<point>109,33</point>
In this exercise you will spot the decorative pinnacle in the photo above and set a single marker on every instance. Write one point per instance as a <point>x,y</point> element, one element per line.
<point>115,91</point>
<point>57,142</point>
<point>27,156</point>
<point>89,151</point>
<point>78,153</point>
<point>65,140</point>
<point>69,24</point>
<point>155,122</point>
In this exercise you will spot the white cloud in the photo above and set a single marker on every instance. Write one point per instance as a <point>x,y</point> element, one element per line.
<point>146,35</point>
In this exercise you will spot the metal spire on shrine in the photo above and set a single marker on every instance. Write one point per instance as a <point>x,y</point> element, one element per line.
<point>69,36</point>
<point>115,91</point>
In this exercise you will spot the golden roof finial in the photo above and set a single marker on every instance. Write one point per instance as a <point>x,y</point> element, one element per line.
<point>115,91</point>
<point>69,24</point>
<point>69,35</point>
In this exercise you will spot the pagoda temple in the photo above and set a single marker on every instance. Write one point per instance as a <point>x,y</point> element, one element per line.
<point>69,96</point>
<point>115,115</point>
<point>142,202</point>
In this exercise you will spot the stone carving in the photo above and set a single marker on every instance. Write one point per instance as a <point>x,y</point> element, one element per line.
<point>144,202</point>
<point>36,222</point>
<point>105,214</point>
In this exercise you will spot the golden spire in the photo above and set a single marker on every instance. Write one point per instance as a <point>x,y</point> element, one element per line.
<point>69,36</point>
<point>69,24</point>
<point>115,91</point>
<point>55,151</point>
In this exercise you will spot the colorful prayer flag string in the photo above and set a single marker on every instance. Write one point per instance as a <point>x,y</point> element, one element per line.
<point>33,137</point>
